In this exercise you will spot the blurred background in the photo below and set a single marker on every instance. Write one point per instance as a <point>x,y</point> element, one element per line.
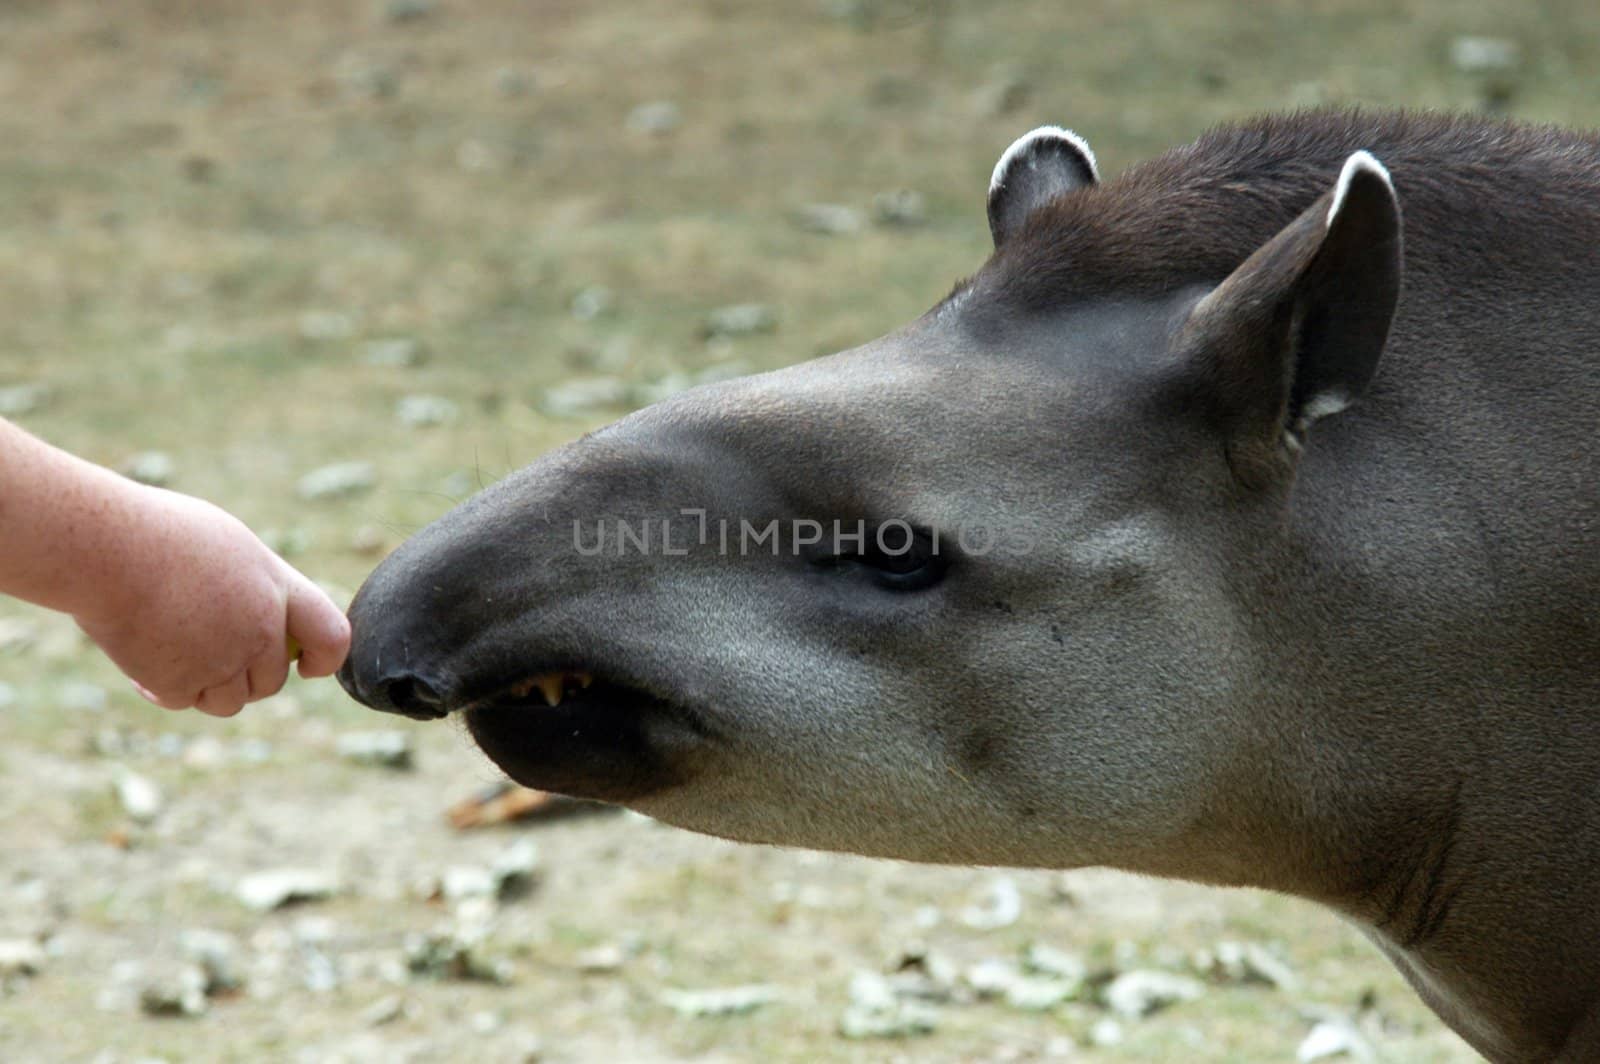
<point>335,265</point>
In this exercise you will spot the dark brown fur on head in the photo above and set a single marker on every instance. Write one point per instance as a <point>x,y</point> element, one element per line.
<point>1193,214</point>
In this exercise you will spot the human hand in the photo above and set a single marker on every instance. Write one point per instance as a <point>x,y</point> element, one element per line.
<point>199,612</point>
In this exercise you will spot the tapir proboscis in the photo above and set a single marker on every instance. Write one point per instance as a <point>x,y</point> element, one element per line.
<point>1237,521</point>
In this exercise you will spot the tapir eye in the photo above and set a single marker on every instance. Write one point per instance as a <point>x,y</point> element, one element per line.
<point>898,557</point>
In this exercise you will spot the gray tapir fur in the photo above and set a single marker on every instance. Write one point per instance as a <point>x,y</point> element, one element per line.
<point>1160,565</point>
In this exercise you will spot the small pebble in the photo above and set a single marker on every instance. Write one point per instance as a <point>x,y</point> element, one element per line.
<point>511,82</point>
<point>1001,906</point>
<point>389,748</point>
<point>82,696</point>
<point>902,1019</point>
<point>1060,1047</point>
<point>1136,994</point>
<point>1106,1032</point>
<point>140,798</point>
<point>668,384</point>
<point>1245,964</point>
<point>1333,1038</point>
<point>901,208</point>
<point>396,353</point>
<point>593,302</point>
<point>830,219</point>
<point>215,953</point>
<point>474,156</point>
<point>17,634</point>
<point>447,955</point>
<point>265,891</point>
<point>727,1001</point>
<point>407,10</point>
<point>324,325</point>
<point>1057,963</point>
<point>20,399</point>
<point>384,1010</point>
<point>338,481</point>
<point>527,1049</point>
<point>363,79</point>
<point>1484,55</point>
<point>173,990</point>
<point>601,959</point>
<point>991,978</point>
<point>741,319</point>
<point>368,540</point>
<point>920,975</point>
<point>315,930</point>
<point>580,398</point>
<point>466,881</point>
<point>516,871</point>
<point>656,118</point>
<point>287,542</point>
<point>20,956</point>
<point>871,990</point>
<point>426,411</point>
<point>155,468</point>
<point>205,752</point>
<point>259,751</point>
<point>318,972</point>
<point>1036,994</point>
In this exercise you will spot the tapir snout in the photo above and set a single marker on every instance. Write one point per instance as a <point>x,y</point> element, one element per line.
<point>724,589</point>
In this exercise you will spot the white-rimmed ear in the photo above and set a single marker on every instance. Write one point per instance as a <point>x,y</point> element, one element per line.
<point>1295,333</point>
<point>1364,165</point>
<point>1038,167</point>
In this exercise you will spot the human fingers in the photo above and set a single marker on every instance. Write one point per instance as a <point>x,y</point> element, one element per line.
<point>226,699</point>
<point>319,627</point>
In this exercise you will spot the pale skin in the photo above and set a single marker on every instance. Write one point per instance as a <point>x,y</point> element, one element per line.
<point>181,595</point>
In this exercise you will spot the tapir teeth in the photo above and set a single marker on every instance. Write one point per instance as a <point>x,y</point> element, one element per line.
<point>552,685</point>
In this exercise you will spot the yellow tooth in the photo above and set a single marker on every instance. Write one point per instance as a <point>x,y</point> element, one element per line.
<point>584,679</point>
<point>550,686</point>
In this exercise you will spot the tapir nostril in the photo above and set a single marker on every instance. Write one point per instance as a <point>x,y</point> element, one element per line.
<point>411,695</point>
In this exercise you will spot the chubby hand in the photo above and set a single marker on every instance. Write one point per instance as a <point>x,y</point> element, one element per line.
<point>199,612</point>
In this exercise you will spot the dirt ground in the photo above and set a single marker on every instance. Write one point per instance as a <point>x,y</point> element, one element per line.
<point>262,239</point>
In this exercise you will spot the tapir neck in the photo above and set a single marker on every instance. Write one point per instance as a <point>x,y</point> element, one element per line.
<point>1407,776</point>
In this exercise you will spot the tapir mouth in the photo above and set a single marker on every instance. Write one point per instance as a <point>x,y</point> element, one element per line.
<point>553,688</point>
<point>583,732</point>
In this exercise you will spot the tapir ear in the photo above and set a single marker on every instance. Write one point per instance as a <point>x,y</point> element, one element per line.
<point>1294,334</point>
<point>1038,167</point>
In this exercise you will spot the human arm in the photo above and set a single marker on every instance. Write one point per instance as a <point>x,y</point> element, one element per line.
<point>182,596</point>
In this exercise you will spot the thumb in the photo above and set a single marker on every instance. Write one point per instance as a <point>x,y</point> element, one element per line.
<point>316,624</point>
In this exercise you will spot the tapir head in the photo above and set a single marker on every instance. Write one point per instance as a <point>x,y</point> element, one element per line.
<point>977,591</point>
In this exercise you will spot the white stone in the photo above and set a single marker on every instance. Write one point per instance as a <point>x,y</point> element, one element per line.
<point>726,1001</point>
<point>20,956</point>
<point>386,748</point>
<point>264,891</point>
<point>1333,1038</point>
<point>337,481</point>
<point>426,411</point>
<point>1001,906</point>
<point>1136,994</point>
<point>139,796</point>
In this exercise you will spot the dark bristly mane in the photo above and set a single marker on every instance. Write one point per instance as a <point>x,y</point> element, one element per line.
<point>1522,195</point>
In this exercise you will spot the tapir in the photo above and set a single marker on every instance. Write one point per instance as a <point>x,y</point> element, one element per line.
<point>1236,521</point>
